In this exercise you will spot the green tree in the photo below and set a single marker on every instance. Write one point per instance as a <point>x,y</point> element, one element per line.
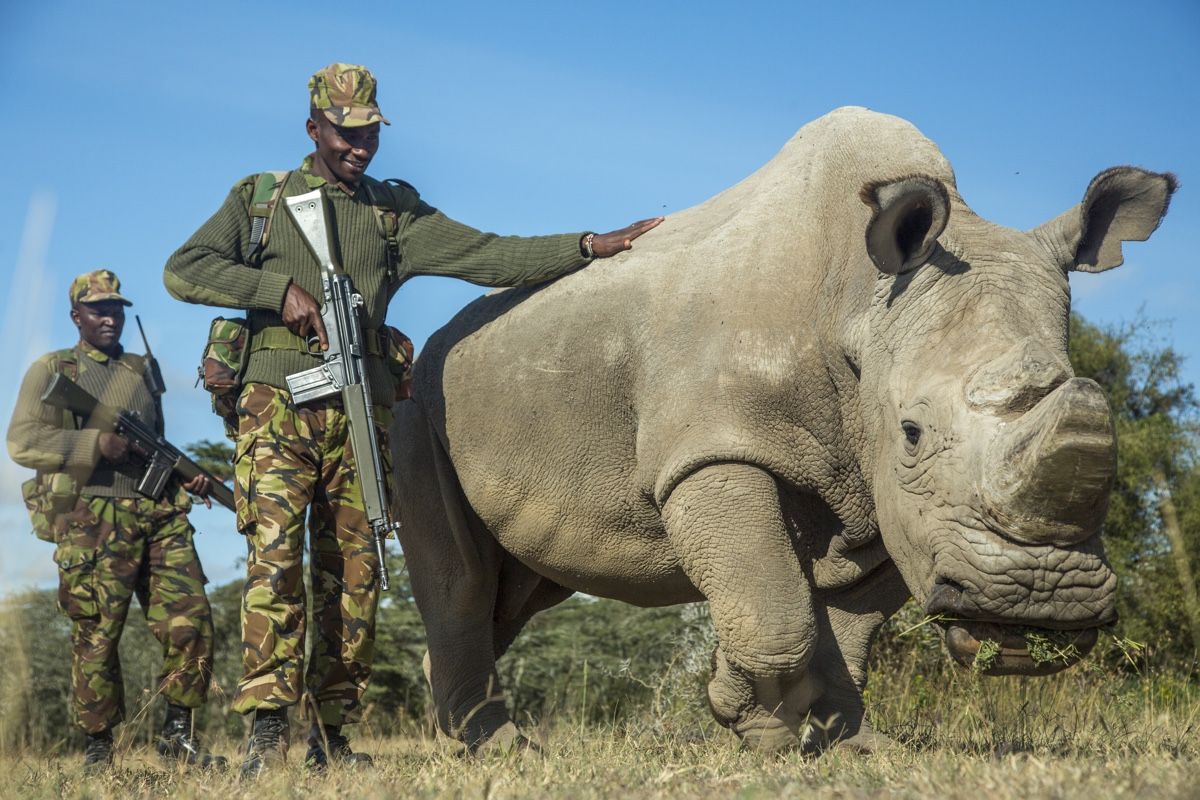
<point>1155,413</point>
<point>216,457</point>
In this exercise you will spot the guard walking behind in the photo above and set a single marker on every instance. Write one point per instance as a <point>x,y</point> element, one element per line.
<point>113,543</point>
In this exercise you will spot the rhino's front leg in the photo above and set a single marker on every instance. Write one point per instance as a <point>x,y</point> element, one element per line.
<point>724,523</point>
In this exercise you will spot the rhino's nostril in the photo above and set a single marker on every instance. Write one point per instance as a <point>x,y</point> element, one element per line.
<point>946,597</point>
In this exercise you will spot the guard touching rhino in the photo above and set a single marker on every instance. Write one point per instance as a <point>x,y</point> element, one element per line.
<point>824,390</point>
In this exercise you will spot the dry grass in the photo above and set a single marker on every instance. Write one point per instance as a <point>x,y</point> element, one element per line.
<point>611,764</point>
<point>1081,734</point>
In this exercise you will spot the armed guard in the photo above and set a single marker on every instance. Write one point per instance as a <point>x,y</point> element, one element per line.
<point>293,458</point>
<point>112,542</point>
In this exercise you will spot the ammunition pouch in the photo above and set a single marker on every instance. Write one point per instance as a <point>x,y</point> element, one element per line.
<point>222,367</point>
<point>399,357</point>
<point>48,497</point>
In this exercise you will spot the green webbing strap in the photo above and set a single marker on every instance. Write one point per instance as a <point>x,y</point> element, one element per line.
<point>376,342</point>
<point>389,226</point>
<point>66,362</point>
<point>280,338</point>
<point>268,187</point>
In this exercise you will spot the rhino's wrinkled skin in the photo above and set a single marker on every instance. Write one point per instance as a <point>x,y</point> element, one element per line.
<point>825,389</point>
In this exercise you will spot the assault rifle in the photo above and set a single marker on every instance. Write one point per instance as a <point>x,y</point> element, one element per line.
<point>343,368</point>
<point>161,458</point>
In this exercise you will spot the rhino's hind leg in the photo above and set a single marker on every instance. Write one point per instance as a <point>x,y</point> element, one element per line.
<point>725,524</point>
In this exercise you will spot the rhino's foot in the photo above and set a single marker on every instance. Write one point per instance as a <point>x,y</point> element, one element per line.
<point>766,713</point>
<point>766,735</point>
<point>849,734</point>
<point>506,741</point>
<point>865,743</point>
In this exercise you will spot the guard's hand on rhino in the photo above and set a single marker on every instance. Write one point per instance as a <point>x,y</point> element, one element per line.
<point>302,315</point>
<point>113,447</point>
<point>609,244</point>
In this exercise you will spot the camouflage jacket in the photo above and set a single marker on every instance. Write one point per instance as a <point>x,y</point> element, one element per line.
<point>211,267</point>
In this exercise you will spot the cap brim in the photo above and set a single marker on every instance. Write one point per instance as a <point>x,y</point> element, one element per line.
<point>354,116</point>
<point>101,298</point>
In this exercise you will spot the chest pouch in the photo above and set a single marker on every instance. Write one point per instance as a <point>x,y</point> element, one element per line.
<point>399,358</point>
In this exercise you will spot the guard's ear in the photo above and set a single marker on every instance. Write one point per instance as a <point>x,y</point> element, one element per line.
<point>908,214</point>
<point>1121,204</point>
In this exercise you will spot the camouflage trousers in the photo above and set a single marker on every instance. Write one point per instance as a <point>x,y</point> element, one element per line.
<point>110,550</point>
<point>288,461</point>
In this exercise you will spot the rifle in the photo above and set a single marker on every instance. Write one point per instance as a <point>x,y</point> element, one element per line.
<point>154,376</point>
<point>343,368</point>
<point>162,458</point>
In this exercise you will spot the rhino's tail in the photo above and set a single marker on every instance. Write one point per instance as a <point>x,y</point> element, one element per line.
<point>454,501</point>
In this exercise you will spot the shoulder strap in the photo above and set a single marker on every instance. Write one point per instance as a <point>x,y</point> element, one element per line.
<point>402,184</point>
<point>65,362</point>
<point>134,363</point>
<point>268,188</point>
<point>389,224</point>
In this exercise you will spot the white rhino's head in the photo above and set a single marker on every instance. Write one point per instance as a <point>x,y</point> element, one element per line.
<point>991,462</point>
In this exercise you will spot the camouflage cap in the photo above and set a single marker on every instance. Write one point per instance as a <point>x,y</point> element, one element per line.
<point>345,93</point>
<point>97,286</point>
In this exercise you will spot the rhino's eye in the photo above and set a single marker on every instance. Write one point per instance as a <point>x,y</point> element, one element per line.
<point>912,432</point>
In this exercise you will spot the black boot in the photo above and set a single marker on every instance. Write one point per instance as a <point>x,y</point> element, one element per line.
<point>98,752</point>
<point>339,751</point>
<point>268,743</point>
<point>178,741</point>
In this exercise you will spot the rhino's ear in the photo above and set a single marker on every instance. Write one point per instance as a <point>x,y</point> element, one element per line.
<point>1122,204</point>
<point>908,214</point>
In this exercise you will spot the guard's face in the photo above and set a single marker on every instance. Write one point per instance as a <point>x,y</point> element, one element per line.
<point>342,153</point>
<point>100,324</point>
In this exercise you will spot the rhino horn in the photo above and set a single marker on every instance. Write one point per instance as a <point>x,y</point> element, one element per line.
<point>1049,473</point>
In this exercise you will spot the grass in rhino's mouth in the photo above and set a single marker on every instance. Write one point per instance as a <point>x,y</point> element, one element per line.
<point>986,655</point>
<point>1045,647</point>
<point>929,620</point>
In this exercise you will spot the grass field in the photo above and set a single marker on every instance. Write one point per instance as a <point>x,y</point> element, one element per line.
<point>1082,734</point>
<point>608,764</point>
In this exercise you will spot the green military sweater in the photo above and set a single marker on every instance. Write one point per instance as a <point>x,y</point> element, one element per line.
<point>44,439</point>
<point>211,267</point>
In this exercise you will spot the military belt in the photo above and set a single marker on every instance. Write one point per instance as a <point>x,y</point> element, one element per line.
<point>279,338</point>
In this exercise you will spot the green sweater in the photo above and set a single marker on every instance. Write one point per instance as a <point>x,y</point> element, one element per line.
<point>47,440</point>
<point>211,268</point>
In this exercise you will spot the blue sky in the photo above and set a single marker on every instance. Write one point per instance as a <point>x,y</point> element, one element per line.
<point>128,122</point>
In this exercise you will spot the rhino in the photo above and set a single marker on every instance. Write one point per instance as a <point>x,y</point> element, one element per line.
<point>823,391</point>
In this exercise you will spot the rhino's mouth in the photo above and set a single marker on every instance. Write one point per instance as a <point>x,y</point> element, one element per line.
<point>1007,647</point>
<point>993,649</point>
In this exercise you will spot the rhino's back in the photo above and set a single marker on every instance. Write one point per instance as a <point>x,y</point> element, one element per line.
<point>562,406</point>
